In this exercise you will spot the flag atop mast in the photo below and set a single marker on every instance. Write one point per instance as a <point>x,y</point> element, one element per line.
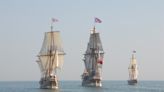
<point>96,20</point>
<point>53,20</point>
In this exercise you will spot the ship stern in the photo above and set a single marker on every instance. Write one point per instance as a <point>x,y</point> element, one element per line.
<point>49,83</point>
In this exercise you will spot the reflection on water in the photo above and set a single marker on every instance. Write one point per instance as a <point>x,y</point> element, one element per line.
<point>93,89</point>
<point>49,90</point>
<point>75,86</point>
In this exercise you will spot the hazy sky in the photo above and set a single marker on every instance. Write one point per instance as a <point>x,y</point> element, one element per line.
<point>126,25</point>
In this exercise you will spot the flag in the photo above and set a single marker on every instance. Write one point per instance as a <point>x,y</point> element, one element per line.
<point>54,20</point>
<point>97,20</point>
<point>134,51</point>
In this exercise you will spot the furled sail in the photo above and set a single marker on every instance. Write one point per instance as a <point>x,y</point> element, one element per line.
<point>51,55</point>
<point>133,68</point>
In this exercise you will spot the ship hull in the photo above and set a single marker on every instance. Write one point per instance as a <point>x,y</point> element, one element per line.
<point>91,82</point>
<point>48,83</point>
<point>132,82</point>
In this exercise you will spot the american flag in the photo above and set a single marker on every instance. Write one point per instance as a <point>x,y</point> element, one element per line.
<point>97,20</point>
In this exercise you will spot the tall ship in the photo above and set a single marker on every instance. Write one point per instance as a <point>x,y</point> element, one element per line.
<point>93,61</point>
<point>50,59</point>
<point>133,70</point>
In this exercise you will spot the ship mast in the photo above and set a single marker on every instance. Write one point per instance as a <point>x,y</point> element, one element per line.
<point>96,49</point>
<point>94,29</point>
<point>49,59</point>
<point>50,51</point>
<point>93,65</point>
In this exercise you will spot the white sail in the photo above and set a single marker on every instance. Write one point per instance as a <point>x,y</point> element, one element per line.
<point>51,55</point>
<point>59,59</point>
<point>133,68</point>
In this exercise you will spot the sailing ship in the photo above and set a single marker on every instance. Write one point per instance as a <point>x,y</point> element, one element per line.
<point>133,70</point>
<point>93,61</point>
<point>50,59</point>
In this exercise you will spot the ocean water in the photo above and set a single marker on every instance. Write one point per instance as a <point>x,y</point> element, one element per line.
<point>75,86</point>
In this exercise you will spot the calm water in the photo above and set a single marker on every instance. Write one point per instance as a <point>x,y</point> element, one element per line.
<point>75,86</point>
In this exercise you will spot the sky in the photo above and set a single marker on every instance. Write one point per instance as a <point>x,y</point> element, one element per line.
<point>127,25</point>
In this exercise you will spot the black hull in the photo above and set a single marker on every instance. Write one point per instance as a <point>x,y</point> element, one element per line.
<point>91,82</point>
<point>49,83</point>
<point>132,82</point>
